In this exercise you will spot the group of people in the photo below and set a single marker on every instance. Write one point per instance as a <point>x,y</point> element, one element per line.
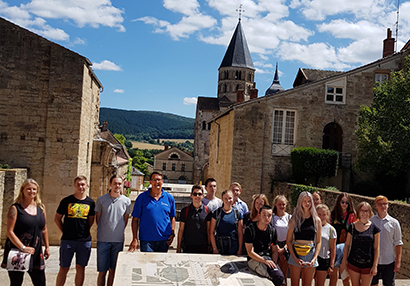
<point>312,243</point>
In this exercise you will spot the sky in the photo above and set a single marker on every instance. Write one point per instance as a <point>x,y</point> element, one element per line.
<point>161,55</point>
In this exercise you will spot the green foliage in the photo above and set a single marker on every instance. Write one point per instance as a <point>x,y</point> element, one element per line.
<point>332,188</point>
<point>384,127</point>
<point>128,177</point>
<point>120,138</point>
<point>147,125</point>
<point>4,166</point>
<point>313,162</point>
<point>128,144</point>
<point>297,189</point>
<point>138,161</point>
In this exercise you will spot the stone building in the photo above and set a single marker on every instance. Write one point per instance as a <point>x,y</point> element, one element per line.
<point>235,84</point>
<point>175,166</point>
<point>250,142</point>
<point>49,108</point>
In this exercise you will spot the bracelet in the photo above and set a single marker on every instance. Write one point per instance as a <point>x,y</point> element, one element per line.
<point>22,249</point>
<point>331,267</point>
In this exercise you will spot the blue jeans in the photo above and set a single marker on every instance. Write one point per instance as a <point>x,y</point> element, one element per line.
<point>339,254</point>
<point>154,246</point>
<point>107,254</point>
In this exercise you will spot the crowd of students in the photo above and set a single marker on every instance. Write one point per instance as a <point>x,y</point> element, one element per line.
<point>312,243</point>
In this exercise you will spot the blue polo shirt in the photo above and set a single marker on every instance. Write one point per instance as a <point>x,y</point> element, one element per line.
<point>154,216</point>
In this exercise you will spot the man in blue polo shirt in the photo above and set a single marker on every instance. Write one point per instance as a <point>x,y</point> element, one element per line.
<point>154,218</point>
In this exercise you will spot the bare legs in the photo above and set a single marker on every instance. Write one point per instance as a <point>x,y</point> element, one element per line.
<point>307,275</point>
<point>101,278</point>
<point>79,275</point>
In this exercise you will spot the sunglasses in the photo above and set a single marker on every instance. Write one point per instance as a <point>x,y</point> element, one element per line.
<point>197,194</point>
<point>344,202</point>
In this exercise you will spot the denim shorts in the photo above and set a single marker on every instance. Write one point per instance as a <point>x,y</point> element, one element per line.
<point>82,250</point>
<point>107,254</point>
<point>306,258</point>
<point>339,254</point>
<point>153,246</point>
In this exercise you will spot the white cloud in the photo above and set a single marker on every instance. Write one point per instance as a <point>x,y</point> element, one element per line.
<point>190,100</point>
<point>93,13</point>
<point>186,7</point>
<point>106,65</point>
<point>79,41</point>
<point>316,55</point>
<point>119,90</point>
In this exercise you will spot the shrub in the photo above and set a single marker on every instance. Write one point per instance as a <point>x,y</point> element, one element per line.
<point>297,189</point>
<point>313,162</point>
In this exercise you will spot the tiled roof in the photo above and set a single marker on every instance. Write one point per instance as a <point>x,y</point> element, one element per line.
<point>237,54</point>
<point>309,75</point>
<point>208,103</point>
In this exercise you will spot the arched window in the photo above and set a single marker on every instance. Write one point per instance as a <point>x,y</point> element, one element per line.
<point>182,180</point>
<point>238,75</point>
<point>224,89</point>
<point>333,137</point>
<point>174,156</point>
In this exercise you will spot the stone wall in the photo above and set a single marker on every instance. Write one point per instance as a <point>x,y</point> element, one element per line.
<point>49,116</point>
<point>400,211</point>
<point>220,159</point>
<point>10,183</point>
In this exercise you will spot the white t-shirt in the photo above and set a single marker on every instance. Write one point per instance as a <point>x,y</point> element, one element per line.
<point>213,204</point>
<point>280,223</point>
<point>328,232</point>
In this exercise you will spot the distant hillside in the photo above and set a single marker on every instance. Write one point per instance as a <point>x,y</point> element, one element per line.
<point>145,124</point>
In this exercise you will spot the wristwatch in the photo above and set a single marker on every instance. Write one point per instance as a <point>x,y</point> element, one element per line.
<point>22,249</point>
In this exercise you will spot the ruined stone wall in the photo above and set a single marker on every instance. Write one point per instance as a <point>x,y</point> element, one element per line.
<point>10,183</point>
<point>49,109</point>
<point>398,210</point>
<point>220,159</point>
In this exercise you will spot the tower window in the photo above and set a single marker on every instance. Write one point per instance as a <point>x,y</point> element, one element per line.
<point>238,75</point>
<point>203,125</point>
<point>164,166</point>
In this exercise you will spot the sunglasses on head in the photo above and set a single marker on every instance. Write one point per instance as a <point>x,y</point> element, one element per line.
<point>344,202</point>
<point>197,194</point>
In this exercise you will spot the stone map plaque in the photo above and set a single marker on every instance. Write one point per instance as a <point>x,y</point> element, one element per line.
<point>184,269</point>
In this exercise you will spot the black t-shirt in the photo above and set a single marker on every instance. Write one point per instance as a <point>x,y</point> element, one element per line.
<point>195,229</point>
<point>361,252</point>
<point>76,217</point>
<point>262,239</point>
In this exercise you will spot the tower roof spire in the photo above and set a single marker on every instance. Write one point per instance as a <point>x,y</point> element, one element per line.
<point>240,10</point>
<point>237,54</point>
<point>275,87</point>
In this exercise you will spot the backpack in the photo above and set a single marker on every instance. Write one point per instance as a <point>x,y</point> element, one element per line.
<point>219,217</point>
<point>187,210</point>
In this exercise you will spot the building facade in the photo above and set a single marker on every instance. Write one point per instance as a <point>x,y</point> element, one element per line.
<point>175,165</point>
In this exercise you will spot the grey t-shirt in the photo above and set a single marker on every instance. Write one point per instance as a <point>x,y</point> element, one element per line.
<point>111,225</point>
<point>213,204</point>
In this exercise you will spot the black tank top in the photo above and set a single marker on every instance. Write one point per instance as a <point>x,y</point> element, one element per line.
<point>29,229</point>
<point>307,230</point>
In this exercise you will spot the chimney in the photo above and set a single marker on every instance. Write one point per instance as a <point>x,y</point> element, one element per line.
<point>165,147</point>
<point>388,44</point>
<point>104,126</point>
<point>239,96</point>
<point>254,93</point>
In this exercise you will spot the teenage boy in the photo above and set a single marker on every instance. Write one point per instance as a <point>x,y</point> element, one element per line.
<point>194,224</point>
<point>112,211</point>
<point>237,202</point>
<point>77,210</point>
<point>210,200</point>
<point>153,217</point>
<point>390,243</point>
<point>260,243</point>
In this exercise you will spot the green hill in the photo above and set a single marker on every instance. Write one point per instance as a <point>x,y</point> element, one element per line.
<point>143,125</point>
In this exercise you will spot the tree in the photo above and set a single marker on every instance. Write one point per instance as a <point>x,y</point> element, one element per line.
<point>384,127</point>
<point>139,162</point>
<point>384,130</point>
<point>120,138</point>
<point>313,162</point>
